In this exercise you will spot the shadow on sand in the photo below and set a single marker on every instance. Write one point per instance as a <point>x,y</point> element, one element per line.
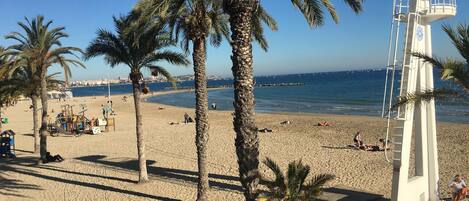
<point>24,165</point>
<point>339,147</point>
<point>11,187</point>
<point>184,176</point>
<point>344,194</point>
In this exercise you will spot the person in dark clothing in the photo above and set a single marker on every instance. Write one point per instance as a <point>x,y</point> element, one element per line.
<point>186,118</point>
<point>357,139</point>
<point>190,120</point>
<point>56,158</point>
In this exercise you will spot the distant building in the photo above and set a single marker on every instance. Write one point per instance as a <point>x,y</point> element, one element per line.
<point>67,94</point>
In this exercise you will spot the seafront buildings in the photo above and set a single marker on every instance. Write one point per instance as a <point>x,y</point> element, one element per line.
<point>125,80</point>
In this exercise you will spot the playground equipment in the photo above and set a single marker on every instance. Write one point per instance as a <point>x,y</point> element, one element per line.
<point>414,121</point>
<point>7,144</point>
<point>69,123</point>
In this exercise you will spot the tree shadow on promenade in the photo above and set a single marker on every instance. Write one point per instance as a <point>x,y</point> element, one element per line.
<point>177,175</point>
<point>10,186</point>
<point>24,166</point>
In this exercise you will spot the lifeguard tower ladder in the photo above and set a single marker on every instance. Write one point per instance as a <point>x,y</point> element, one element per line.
<point>411,20</point>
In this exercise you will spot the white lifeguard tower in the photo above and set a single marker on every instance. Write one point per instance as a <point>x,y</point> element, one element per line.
<point>413,127</point>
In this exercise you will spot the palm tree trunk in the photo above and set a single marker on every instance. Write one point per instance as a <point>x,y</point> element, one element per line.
<point>35,124</point>
<point>142,161</point>
<point>43,130</point>
<point>1,123</point>
<point>201,116</point>
<point>247,141</point>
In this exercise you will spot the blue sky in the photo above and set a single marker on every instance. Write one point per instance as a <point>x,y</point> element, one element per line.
<point>357,42</point>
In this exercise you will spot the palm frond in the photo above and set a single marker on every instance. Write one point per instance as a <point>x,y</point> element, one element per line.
<point>429,59</point>
<point>168,56</point>
<point>292,187</point>
<point>158,70</point>
<point>450,69</point>
<point>279,181</point>
<point>313,187</point>
<point>459,38</point>
<point>262,17</point>
<point>427,95</point>
<point>356,5</point>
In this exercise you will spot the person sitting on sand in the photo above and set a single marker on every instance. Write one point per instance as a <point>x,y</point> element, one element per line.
<point>357,139</point>
<point>186,118</point>
<point>459,188</point>
<point>56,158</point>
<point>384,144</point>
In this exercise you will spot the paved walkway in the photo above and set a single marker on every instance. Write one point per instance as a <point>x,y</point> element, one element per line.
<point>341,193</point>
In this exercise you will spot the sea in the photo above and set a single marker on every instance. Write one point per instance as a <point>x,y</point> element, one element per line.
<point>357,92</point>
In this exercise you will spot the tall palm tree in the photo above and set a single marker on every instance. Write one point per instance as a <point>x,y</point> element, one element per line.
<point>452,70</point>
<point>194,21</point>
<point>292,186</point>
<point>242,13</point>
<point>26,82</point>
<point>138,47</point>
<point>42,45</point>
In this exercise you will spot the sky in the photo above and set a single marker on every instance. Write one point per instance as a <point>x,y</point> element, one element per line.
<point>357,42</point>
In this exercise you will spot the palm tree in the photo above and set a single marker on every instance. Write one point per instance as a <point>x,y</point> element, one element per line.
<point>242,13</point>
<point>450,69</point>
<point>26,82</point>
<point>196,21</point>
<point>42,45</point>
<point>137,47</point>
<point>292,187</point>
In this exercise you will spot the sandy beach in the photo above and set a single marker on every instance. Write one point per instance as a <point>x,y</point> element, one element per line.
<point>104,167</point>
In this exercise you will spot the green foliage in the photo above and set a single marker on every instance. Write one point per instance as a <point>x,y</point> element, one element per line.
<point>137,44</point>
<point>24,82</point>
<point>41,46</point>
<point>293,186</point>
<point>192,19</point>
<point>427,95</point>
<point>188,19</point>
<point>312,10</point>
<point>450,69</point>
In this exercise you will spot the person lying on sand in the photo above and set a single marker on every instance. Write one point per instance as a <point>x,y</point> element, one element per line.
<point>173,123</point>
<point>459,188</point>
<point>384,144</point>
<point>325,123</point>
<point>377,147</point>
<point>265,130</point>
<point>56,158</point>
<point>285,122</point>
